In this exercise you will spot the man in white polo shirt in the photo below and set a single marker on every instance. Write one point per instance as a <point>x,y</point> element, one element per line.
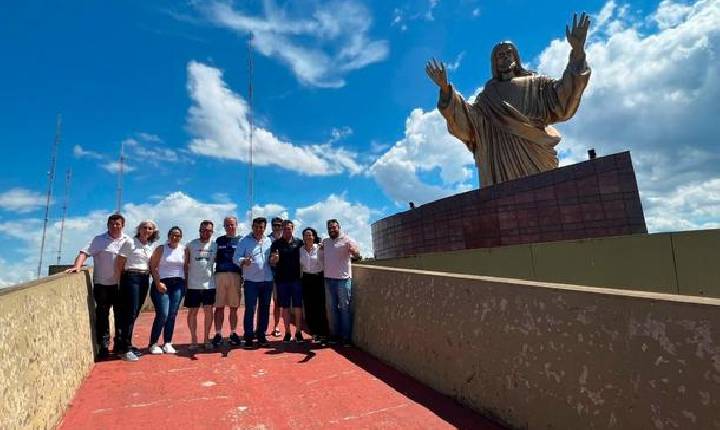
<point>337,251</point>
<point>104,249</point>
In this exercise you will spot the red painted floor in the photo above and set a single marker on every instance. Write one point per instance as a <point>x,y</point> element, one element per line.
<point>286,386</point>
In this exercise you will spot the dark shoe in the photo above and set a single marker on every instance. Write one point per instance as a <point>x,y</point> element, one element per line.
<point>347,343</point>
<point>248,343</point>
<point>263,342</point>
<point>217,341</point>
<point>103,353</point>
<point>235,339</point>
<point>299,337</point>
<point>287,338</point>
<point>135,351</point>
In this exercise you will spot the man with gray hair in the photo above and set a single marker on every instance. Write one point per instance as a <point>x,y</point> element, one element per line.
<point>228,282</point>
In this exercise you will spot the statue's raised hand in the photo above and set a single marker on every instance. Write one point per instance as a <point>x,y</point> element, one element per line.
<point>437,73</point>
<point>578,33</point>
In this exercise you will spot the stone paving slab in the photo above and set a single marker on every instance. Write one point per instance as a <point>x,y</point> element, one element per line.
<point>285,386</point>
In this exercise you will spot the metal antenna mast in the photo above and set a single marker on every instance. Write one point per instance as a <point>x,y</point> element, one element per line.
<point>121,168</point>
<point>250,119</point>
<point>51,180</point>
<point>68,176</point>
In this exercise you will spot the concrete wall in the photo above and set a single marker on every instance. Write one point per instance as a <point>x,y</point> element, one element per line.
<point>678,263</point>
<point>46,349</point>
<point>547,356</point>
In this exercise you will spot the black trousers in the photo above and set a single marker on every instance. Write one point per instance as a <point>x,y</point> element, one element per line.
<point>314,300</point>
<point>133,291</point>
<point>106,296</point>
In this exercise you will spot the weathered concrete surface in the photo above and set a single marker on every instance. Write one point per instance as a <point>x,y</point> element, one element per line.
<point>45,349</point>
<point>676,263</point>
<point>284,386</point>
<point>547,356</point>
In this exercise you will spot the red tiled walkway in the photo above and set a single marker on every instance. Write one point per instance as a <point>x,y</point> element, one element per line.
<point>284,386</point>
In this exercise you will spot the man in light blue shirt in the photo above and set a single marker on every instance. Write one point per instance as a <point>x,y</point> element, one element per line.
<point>253,255</point>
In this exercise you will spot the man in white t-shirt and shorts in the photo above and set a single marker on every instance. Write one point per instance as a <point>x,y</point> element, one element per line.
<point>199,260</point>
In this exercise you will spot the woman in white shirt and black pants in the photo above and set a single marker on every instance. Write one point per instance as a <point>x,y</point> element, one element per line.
<point>167,266</point>
<point>313,285</point>
<point>132,265</point>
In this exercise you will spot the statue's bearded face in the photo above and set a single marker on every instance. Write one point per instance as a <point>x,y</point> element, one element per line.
<point>505,60</point>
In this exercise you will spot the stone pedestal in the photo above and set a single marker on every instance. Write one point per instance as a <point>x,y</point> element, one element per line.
<point>594,198</point>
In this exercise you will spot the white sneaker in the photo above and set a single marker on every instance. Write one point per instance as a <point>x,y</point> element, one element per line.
<point>168,348</point>
<point>155,349</point>
<point>129,356</point>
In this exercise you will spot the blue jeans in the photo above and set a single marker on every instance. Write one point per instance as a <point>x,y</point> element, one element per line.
<point>166,308</point>
<point>338,299</point>
<point>257,294</point>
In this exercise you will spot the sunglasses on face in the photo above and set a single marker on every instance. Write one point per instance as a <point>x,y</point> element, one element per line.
<point>149,227</point>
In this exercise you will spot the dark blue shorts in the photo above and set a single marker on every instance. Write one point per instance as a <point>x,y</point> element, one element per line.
<point>196,298</point>
<point>289,294</point>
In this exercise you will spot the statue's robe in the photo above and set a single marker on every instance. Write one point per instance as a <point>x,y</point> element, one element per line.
<point>507,127</point>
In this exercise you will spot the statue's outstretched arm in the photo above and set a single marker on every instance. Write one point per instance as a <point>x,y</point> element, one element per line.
<point>437,73</point>
<point>577,35</point>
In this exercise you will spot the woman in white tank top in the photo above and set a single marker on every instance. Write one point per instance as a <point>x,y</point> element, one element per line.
<point>167,266</point>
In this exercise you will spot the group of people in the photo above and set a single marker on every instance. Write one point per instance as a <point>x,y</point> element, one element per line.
<point>309,280</point>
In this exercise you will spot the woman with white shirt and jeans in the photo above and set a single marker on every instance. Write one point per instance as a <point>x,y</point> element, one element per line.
<point>133,270</point>
<point>312,285</point>
<point>167,266</point>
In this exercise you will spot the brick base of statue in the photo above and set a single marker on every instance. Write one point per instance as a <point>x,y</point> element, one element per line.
<point>595,198</point>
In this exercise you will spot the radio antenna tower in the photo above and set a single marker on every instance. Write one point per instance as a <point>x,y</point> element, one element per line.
<point>68,176</point>
<point>121,168</point>
<point>250,120</point>
<point>51,180</point>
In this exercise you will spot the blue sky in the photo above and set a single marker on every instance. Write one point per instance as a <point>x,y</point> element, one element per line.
<point>344,114</point>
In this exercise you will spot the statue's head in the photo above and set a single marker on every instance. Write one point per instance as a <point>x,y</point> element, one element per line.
<point>505,61</point>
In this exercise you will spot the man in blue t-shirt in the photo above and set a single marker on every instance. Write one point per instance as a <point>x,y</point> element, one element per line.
<point>228,282</point>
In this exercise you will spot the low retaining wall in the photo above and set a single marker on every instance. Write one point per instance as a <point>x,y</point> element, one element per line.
<point>46,349</point>
<point>546,356</point>
<point>683,263</point>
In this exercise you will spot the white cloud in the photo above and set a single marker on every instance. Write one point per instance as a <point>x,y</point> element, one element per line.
<point>114,167</point>
<point>173,209</point>
<point>176,208</point>
<point>456,64</point>
<point>692,206</point>
<point>432,4</point>
<point>669,14</point>
<point>269,211</point>
<point>413,11</point>
<point>426,147</point>
<point>149,137</point>
<point>354,219</point>
<point>79,152</point>
<point>219,121</point>
<point>21,200</point>
<point>319,41</point>
<point>339,134</point>
<point>655,93</point>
